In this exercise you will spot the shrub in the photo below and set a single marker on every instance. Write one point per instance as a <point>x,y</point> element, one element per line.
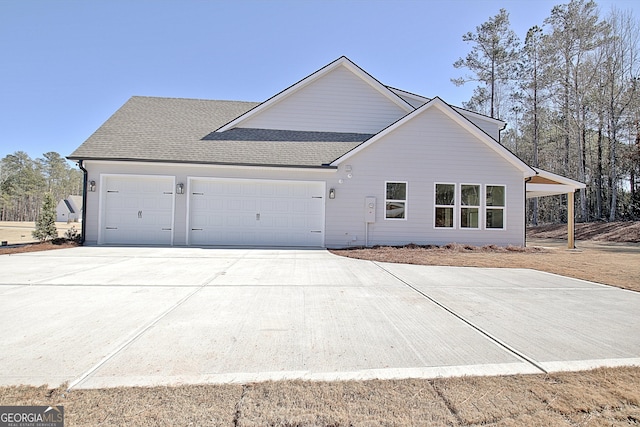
<point>72,234</point>
<point>46,221</point>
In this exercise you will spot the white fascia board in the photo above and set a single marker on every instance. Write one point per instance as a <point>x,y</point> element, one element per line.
<point>215,166</point>
<point>480,116</point>
<point>373,82</point>
<point>539,190</point>
<point>404,93</point>
<point>460,110</point>
<point>456,117</point>
<point>342,61</point>
<point>559,179</point>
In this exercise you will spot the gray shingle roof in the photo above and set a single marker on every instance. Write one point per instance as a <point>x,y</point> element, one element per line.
<point>251,134</point>
<point>181,131</point>
<point>69,207</point>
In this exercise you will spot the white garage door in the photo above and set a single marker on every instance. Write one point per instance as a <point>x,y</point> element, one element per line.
<point>137,210</point>
<point>256,212</point>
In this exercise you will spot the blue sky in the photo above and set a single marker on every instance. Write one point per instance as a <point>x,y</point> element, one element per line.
<point>68,65</point>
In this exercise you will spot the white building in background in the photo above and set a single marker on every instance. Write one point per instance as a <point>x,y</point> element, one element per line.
<point>69,209</point>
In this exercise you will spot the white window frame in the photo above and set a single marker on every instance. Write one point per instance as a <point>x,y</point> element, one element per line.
<point>504,208</point>
<point>405,201</point>
<point>481,195</point>
<point>454,206</point>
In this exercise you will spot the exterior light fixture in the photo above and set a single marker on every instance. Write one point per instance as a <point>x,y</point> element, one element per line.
<point>332,193</point>
<point>92,186</point>
<point>180,188</point>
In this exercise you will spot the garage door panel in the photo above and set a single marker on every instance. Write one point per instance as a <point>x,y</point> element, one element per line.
<point>137,210</point>
<point>250,205</point>
<point>242,212</point>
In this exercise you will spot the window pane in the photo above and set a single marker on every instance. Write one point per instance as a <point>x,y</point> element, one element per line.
<point>397,190</point>
<point>395,210</point>
<point>470,195</point>
<point>445,194</point>
<point>495,195</point>
<point>444,217</point>
<point>469,218</point>
<point>495,218</point>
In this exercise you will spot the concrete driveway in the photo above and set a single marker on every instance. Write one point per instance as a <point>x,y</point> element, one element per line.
<point>106,316</point>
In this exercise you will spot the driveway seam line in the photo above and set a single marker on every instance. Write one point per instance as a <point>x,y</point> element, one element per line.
<point>84,376</point>
<point>70,273</point>
<point>496,340</point>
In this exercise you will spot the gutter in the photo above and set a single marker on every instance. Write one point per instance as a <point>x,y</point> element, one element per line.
<point>84,202</point>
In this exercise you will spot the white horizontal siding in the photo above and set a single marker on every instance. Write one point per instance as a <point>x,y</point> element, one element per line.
<point>182,174</point>
<point>487,126</point>
<point>415,103</point>
<point>431,148</point>
<point>337,102</point>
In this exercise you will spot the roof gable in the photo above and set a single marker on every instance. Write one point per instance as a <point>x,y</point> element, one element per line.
<point>340,97</point>
<point>75,201</point>
<point>460,120</point>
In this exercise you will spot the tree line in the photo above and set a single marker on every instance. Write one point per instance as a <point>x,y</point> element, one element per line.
<point>24,182</point>
<point>569,92</point>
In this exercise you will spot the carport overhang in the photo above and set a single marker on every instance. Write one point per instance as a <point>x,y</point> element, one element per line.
<point>549,184</point>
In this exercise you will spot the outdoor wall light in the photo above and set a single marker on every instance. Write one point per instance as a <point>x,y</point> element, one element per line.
<point>92,186</point>
<point>332,193</point>
<point>180,188</point>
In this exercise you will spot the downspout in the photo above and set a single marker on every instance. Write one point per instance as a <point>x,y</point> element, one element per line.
<point>84,201</point>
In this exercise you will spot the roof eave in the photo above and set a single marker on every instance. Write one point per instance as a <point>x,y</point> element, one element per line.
<point>561,180</point>
<point>324,166</point>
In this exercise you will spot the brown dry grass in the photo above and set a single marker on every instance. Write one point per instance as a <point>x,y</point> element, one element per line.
<point>19,232</point>
<point>601,397</point>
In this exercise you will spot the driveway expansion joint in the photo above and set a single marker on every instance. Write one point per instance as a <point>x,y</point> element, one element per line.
<point>491,337</point>
<point>140,333</point>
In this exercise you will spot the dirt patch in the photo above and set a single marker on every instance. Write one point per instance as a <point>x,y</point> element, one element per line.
<point>601,397</point>
<point>627,231</point>
<point>611,265</point>
<point>37,247</point>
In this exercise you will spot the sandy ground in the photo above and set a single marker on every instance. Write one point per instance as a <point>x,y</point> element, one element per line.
<point>602,397</point>
<point>20,232</point>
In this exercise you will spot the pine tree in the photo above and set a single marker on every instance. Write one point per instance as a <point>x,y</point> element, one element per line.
<point>46,222</point>
<point>492,60</point>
